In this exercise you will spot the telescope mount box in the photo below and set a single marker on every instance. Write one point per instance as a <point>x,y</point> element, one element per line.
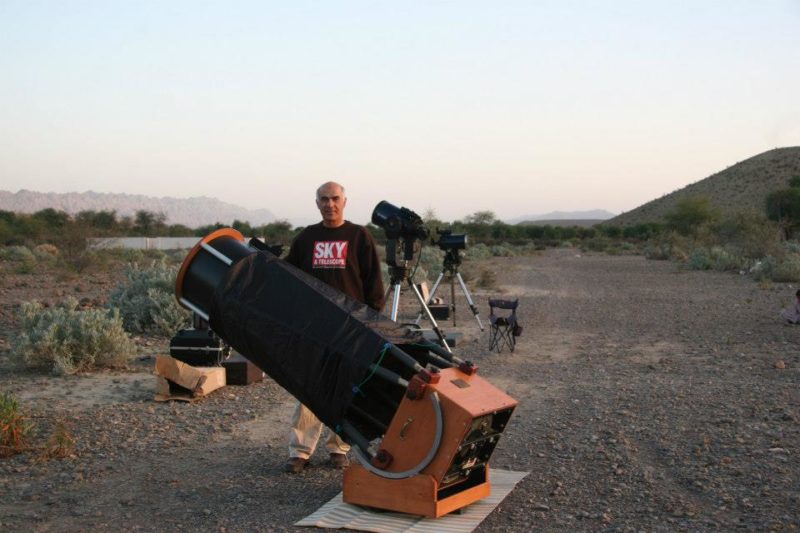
<point>475,413</point>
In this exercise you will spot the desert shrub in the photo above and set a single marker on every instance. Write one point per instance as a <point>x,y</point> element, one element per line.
<point>487,279</point>
<point>59,445</point>
<point>146,301</point>
<point>699,259</point>
<point>45,252</point>
<point>478,251</point>
<point>787,270</point>
<point>792,247</point>
<point>595,244</point>
<point>722,259</point>
<point>177,256</point>
<point>17,253</point>
<point>715,258</point>
<point>65,340</point>
<point>749,235</point>
<point>154,254</point>
<point>565,244</point>
<point>132,255</point>
<point>23,258</point>
<point>671,246</point>
<point>14,428</point>
<point>502,250</point>
<point>528,248</point>
<point>678,253</point>
<point>622,248</point>
<point>762,269</point>
<point>431,262</point>
<point>657,251</point>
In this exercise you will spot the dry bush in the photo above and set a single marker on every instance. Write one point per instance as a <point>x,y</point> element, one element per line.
<point>146,301</point>
<point>14,428</point>
<point>787,270</point>
<point>60,445</point>
<point>45,251</point>
<point>66,340</point>
<point>487,279</point>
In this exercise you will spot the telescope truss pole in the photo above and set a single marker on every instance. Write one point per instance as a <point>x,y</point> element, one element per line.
<point>426,309</point>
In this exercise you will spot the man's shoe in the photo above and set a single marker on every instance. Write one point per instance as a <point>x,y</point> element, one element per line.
<point>295,465</point>
<point>339,460</point>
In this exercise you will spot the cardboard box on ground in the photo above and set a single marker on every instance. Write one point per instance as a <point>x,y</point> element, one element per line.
<point>179,381</point>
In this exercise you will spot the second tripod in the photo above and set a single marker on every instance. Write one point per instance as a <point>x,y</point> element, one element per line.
<point>452,260</point>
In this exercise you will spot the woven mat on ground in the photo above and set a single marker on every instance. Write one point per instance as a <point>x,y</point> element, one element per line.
<point>336,514</point>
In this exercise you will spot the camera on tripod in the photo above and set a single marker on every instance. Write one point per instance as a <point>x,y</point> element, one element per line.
<point>448,241</point>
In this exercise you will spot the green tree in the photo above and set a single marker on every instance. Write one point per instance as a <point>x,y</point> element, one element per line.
<point>51,218</point>
<point>689,214</point>
<point>278,232</point>
<point>481,217</point>
<point>244,228</point>
<point>148,223</point>
<point>105,221</point>
<point>783,207</point>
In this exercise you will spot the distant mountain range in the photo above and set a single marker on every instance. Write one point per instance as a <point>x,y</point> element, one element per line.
<point>191,212</point>
<point>740,188</point>
<point>562,217</point>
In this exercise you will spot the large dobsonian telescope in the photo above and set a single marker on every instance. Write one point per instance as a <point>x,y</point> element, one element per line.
<point>422,423</point>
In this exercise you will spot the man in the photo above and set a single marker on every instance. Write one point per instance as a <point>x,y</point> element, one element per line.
<point>343,255</point>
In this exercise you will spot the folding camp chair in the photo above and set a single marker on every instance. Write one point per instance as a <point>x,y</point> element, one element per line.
<point>505,328</point>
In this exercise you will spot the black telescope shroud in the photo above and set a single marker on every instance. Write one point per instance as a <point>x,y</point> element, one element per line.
<point>314,341</point>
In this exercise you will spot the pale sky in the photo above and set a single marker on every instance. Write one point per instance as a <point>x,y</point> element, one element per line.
<point>519,107</point>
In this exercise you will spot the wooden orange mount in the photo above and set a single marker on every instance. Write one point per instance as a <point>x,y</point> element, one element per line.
<point>474,414</point>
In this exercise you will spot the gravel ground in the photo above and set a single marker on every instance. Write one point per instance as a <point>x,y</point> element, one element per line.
<point>651,399</point>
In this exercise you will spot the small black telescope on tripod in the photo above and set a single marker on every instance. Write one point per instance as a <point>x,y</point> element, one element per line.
<point>450,244</point>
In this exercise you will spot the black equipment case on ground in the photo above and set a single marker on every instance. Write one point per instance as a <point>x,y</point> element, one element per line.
<point>440,311</point>
<point>240,371</point>
<point>198,347</point>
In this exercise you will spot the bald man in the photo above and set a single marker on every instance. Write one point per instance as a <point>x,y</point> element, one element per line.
<point>343,255</point>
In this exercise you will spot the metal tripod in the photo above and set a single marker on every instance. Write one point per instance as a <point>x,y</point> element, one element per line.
<point>398,273</point>
<point>452,260</point>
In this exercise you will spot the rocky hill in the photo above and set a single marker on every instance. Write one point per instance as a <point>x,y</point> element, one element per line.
<point>564,222</point>
<point>562,218</point>
<point>739,188</point>
<point>192,212</point>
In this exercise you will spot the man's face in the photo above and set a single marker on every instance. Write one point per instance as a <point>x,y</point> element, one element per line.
<point>331,202</point>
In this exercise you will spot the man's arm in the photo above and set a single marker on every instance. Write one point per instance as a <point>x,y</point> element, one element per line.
<point>294,256</point>
<point>371,279</point>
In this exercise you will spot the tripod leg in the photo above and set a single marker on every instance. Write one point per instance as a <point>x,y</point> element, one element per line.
<point>469,299</point>
<point>453,298</point>
<point>396,301</point>
<point>427,311</point>
<point>386,296</point>
<point>430,297</point>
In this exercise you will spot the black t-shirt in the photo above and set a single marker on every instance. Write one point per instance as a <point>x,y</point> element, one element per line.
<point>345,258</point>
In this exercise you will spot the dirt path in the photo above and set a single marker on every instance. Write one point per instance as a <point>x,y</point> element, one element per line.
<point>649,401</point>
